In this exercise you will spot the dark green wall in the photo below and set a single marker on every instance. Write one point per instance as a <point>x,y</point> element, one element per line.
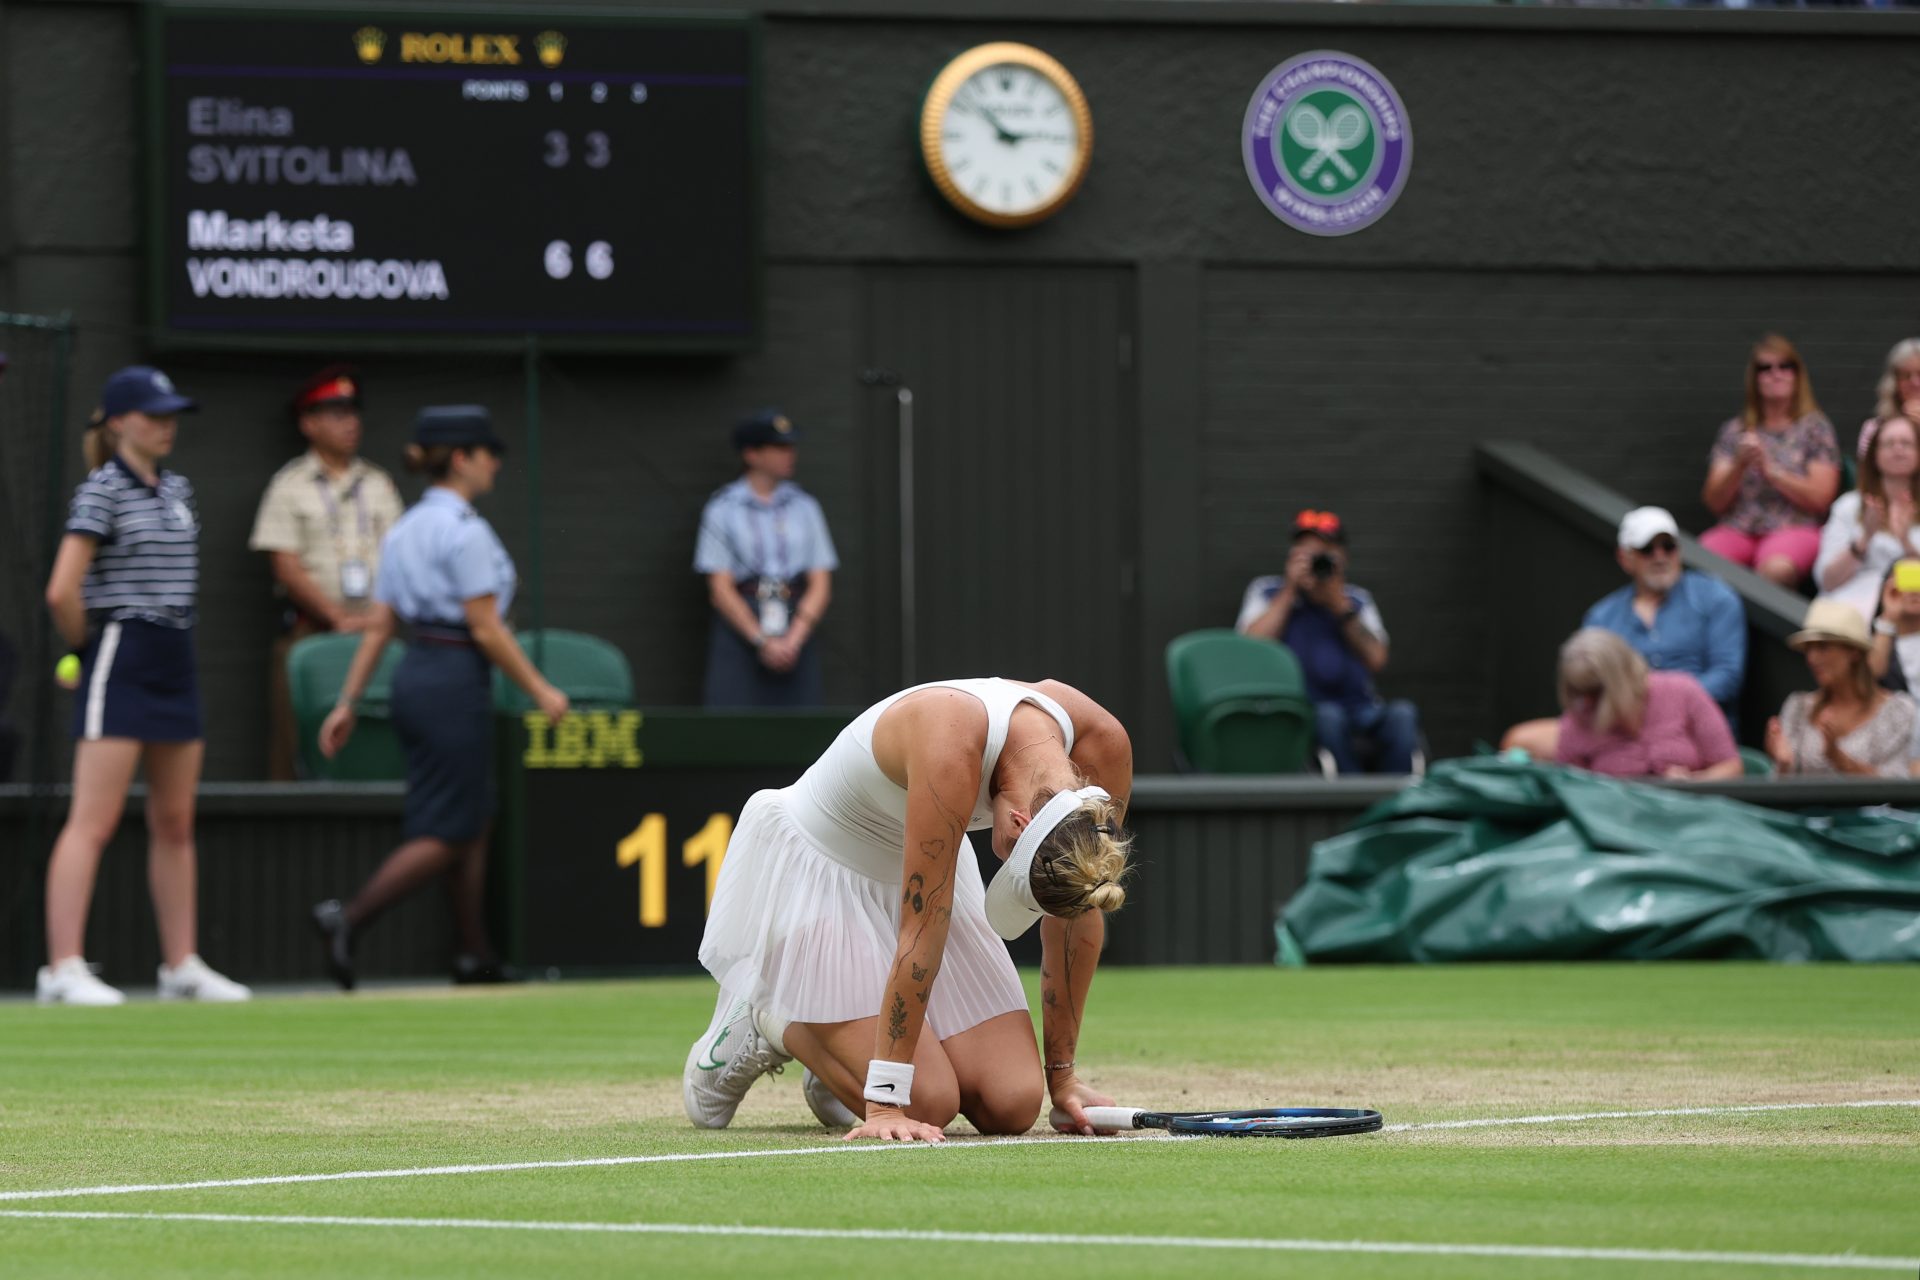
<point>1605,208</point>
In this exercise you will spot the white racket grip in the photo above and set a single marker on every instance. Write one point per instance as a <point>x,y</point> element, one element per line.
<point>1113,1117</point>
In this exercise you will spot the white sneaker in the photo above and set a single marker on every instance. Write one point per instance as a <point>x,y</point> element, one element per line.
<point>191,979</point>
<point>724,1063</point>
<point>72,982</point>
<point>827,1107</point>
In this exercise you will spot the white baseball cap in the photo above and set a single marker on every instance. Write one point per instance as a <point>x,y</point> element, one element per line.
<point>1643,524</point>
<point>1011,909</point>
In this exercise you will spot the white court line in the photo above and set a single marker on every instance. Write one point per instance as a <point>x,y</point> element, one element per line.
<point>357,1175</point>
<point>1635,1115</point>
<point>1828,1261</point>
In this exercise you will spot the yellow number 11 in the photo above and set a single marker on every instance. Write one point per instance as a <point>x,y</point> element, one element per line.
<point>646,844</point>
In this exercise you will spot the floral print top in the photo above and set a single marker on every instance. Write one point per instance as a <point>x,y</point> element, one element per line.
<point>1758,507</point>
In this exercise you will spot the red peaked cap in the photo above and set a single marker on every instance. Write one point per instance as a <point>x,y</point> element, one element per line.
<point>335,384</point>
<point>1322,524</point>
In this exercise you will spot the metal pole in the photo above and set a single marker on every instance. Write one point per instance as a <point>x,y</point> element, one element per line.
<point>907,603</point>
<point>537,579</point>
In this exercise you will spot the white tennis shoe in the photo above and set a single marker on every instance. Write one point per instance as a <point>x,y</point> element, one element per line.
<point>724,1063</point>
<point>827,1108</point>
<point>72,982</point>
<point>192,979</point>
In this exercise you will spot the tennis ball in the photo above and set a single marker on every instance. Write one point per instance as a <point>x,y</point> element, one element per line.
<point>67,671</point>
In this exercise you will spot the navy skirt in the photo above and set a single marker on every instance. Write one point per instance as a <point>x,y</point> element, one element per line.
<point>737,678</point>
<point>138,680</point>
<point>443,711</point>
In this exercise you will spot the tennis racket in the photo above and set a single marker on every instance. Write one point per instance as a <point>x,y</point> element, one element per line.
<point>1273,1122</point>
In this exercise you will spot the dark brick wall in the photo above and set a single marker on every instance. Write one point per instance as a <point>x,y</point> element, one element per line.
<point>1602,214</point>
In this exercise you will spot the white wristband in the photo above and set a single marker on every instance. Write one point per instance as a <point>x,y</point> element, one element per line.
<point>889,1082</point>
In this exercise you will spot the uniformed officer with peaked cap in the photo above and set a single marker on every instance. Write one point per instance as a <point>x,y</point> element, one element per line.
<point>445,576</point>
<point>769,561</point>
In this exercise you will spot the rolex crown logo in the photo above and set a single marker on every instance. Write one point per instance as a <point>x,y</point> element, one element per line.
<point>369,43</point>
<point>552,46</point>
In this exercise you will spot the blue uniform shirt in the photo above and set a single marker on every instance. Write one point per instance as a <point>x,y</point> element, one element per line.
<point>438,556</point>
<point>781,536</point>
<point>1700,629</point>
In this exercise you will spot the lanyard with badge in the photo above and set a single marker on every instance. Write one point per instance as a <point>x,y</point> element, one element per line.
<point>356,576</point>
<point>776,614</point>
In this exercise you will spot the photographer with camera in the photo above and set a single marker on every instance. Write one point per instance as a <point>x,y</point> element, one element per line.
<point>1335,630</point>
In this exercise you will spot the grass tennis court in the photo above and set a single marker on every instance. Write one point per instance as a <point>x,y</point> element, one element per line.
<point>397,1081</point>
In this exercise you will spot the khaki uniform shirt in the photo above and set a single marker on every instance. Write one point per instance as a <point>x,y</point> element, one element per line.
<point>328,520</point>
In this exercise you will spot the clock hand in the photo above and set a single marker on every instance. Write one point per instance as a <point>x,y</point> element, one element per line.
<point>1006,135</point>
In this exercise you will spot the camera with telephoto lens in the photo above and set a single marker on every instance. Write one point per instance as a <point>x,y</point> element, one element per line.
<point>1322,566</point>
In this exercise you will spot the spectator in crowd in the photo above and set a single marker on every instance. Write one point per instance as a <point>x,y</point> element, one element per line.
<point>1895,658</point>
<point>769,561</point>
<point>1336,632</point>
<point>444,573</point>
<point>1848,725</point>
<point>1898,392</point>
<point>1676,619</point>
<point>1874,525</point>
<point>320,522</point>
<point>1622,719</point>
<point>1773,471</point>
<point>123,592</point>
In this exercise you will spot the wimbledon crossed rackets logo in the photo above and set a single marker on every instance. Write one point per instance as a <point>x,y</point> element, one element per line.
<point>1326,143</point>
<point>1326,138</point>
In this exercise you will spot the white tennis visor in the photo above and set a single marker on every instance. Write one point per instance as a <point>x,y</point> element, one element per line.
<point>1011,909</point>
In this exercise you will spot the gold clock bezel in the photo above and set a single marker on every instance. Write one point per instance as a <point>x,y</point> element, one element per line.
<point>933,114</point>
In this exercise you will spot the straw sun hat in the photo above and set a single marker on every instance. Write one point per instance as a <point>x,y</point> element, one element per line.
<point>1834,621</point>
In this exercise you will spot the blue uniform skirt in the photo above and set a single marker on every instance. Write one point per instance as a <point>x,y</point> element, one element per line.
<point>138,680</point>
<point>443,711</point>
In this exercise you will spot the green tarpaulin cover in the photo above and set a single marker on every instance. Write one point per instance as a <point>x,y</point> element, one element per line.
<point>1488,859</point>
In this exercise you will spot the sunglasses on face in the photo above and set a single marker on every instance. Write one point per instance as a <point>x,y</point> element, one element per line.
<point>1766,366</point>
<point>1662,545</point>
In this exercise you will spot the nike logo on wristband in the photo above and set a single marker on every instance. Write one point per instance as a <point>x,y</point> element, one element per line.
<point>888,1086</point>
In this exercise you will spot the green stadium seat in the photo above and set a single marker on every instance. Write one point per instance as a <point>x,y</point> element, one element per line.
<point>1240,703</point>
<point>1755,763</point>
<point>593,673</point>
<point>316,669</point>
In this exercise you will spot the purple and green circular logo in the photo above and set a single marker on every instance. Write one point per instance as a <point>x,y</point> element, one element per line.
<point>1326,143</point>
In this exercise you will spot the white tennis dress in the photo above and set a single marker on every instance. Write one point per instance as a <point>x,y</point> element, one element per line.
<point>806,914</point>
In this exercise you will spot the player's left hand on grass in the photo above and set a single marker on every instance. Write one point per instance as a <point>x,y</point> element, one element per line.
<point>890,1124</point>
<point>1071,1098</point>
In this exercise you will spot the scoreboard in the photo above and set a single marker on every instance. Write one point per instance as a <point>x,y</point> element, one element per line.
<point>397,176</point>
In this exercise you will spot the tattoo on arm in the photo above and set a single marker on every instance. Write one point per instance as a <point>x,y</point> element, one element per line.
<point>911,896</point>
<point>897,1019</point>
<point>933,848</point>
<point>919,971</point>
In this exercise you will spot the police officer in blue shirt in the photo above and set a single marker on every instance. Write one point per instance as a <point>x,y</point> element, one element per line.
<point>769,563</point>
<point>446,578</point>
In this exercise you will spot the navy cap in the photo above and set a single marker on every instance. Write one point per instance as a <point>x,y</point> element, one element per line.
<point>459,425</point>
<point>141,389</point>
<point>768,426</point>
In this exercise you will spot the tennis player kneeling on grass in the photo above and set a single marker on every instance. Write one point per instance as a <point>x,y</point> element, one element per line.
<point>850,914</point>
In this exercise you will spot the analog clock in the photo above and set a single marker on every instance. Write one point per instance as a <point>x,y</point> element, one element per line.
<point>1006,134</point>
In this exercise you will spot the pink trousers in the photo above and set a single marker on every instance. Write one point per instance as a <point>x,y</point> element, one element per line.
<point>1799,543</point>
